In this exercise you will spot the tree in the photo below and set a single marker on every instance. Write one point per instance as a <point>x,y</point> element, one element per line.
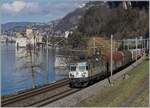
<point>118,21</point>
<point>77,40</point>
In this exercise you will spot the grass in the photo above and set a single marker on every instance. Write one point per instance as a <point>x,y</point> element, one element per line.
<point>114,96</point>
<point>141,100</point>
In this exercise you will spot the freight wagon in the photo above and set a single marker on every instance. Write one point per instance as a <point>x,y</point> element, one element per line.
<point>136,53</point>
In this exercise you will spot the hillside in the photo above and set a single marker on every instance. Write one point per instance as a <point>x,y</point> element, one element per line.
<point>104,19</point>
<point>72,19</point>
<point>13,25</point>
<point>120,22</point>
<point>99,9</point>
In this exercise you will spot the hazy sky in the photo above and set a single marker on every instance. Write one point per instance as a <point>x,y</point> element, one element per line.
<point>36,10</point>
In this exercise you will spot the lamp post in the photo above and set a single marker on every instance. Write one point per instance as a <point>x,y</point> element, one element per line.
<point>136,47</point>
<point>94,45</point>
<point>47,58</point>
<point>128,43</point>
<point>111,71</point>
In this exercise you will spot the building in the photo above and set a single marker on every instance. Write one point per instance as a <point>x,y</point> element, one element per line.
<point>21,42</point>
<point>18,35</point>
<point>66,34</point>
<point>39,38</point>
<point>30,37</point>
<point>29,33</point>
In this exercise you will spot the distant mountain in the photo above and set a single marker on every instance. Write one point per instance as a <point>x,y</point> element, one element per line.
<point>71,20</point>
<point>11,25</point>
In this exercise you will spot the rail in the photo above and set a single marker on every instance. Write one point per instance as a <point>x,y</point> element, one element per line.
<point>34,92</point>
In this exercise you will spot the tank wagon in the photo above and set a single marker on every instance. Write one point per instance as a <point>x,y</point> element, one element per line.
<point>88,71</point>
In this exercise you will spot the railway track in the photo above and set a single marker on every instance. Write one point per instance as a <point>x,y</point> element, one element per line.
<point>22,96</point>
<point>54,97</point>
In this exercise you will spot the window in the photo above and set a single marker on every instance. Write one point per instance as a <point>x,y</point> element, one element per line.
<point>87,67</point>
<point>72,68</point>
<point>82,68</point>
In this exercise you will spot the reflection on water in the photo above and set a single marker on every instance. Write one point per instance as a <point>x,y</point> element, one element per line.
<point>22,69</point>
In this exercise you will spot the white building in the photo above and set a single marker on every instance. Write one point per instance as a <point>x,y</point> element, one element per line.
<point>39,38</point>
<point>30,38</point>
<point>21,42</point>
<point>3,38</point>
<point>29,33</point>
<point>66,34</point>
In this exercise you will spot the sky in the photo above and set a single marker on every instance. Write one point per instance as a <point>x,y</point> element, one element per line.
<point>36,10</point>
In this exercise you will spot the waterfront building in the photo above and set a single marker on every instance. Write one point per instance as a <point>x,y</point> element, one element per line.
<point>29,33</point>
<point>21,42</point>
<point>39,38</point>
<point>30,37</point>
<point>3,38</point>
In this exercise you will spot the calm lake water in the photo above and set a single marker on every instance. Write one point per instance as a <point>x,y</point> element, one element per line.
<point>22,69</point>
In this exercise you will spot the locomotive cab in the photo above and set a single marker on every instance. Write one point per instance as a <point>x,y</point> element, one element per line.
<point>78,73</point>
<point>78,70</point>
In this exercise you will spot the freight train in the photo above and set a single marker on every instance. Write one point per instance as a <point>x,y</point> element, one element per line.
<point>92,69</point>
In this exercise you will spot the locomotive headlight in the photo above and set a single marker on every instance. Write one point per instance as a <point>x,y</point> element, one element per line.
<point>71,75</point>
<point>83,74</point>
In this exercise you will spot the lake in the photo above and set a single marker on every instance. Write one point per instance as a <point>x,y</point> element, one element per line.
<point>22,69</point>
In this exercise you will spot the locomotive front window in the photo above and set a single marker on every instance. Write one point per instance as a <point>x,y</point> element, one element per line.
<point>82,68</point>
<point>87,67</point>
<point>72,68</point>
